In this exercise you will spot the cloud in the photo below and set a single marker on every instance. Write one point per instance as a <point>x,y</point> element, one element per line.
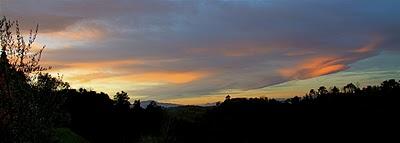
<point>370,47</point>
<point>165,77</point>
<point>80,31</point>
<point>85,78</point>
<point>192,48</point>
<point>315,67</point>
<point>91,65</point>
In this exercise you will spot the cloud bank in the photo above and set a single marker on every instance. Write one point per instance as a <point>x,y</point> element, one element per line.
<point>165,49</point>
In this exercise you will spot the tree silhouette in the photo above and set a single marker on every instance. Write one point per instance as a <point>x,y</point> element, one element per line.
<point>122,101</point>
<point>228,97</point>
<point>137,106</point>
<point>335,90</point>
<point>322,90</point>
<point>20,53</point>
<point>312,92</point>
<point>152,105</point>
<point>27,109</point>
<point>390,84</point>
<point>294,100</point>
<point>350,88</point>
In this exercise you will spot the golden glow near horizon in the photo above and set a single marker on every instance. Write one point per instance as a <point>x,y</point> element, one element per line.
<point>108,75</point>
<point>283,90</point>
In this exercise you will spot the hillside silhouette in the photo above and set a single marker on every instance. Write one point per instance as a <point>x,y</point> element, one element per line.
<point>36,107</point>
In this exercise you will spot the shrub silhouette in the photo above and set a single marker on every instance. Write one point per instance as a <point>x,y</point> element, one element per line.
<point>30,101</point>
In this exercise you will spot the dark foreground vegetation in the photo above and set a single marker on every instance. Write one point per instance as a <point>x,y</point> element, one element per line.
<point>36,107</point>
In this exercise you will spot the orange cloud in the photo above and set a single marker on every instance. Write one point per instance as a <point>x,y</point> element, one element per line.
<point>323,65</point>
<point>315,67</point>
<point>89,77</point>
<point>168,77</point>
<point>83,72</point>
<point>370,46</point>
<point>327,70</point>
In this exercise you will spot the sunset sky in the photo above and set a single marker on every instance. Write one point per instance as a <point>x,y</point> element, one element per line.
<point>198,51</point>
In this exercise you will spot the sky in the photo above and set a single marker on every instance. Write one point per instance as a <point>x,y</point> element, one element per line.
<point>198,51</point>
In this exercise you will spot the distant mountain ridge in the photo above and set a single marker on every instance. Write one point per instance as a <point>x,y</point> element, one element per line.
<point>144,104</point>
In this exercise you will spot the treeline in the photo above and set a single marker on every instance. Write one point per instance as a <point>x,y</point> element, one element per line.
<point>333,112</point>
<point>98,118</point>
<point>322,115</point>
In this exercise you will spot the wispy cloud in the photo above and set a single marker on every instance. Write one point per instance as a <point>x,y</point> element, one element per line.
<point>315,67</point>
